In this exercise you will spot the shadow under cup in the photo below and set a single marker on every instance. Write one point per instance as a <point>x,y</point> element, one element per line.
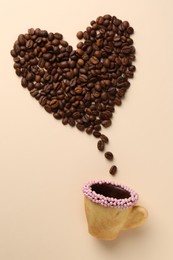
<point>111,208</point>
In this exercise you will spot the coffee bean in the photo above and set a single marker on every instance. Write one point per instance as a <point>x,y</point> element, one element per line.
<point>104,138</point>
<point>132,68</point>
<point>101,145</point>
<point>29,76</point>
<point>21,39</point>
<point>96,134</point>
<point>130,30</point>
<point>97,127</point>
<point>63,43</point>
<point>65,121</point>
<point>34,92</point>
<point>47,56</point>
<point>30,86</point>
<point>54,103</point>
<point>126,49</point>
<point>106,123</point>
<point>104,96</point>
<point>43,101</point>
<point>86,35</point>
<point>83,78</point>
<point>89,130</point>
<point>79,35</point>
<point>24,82</point>
<point>80,127</point>
<point>16,48</point>
<point>113,170</point>
<point>31,31</point>
<point>58,36</point>
<point>94,60</point>
<point>107,17</point>
<point>13,53</point>
<point>78,89</point>
<point>106,63</point>
<point>109,156</point>
<point>48,108</point>
<point>71,121</point>
<point>117,101</point>
<point>29,44</point>
<point>80,62</point>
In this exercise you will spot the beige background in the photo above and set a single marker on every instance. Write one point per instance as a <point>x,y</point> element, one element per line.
<point>44,164</point>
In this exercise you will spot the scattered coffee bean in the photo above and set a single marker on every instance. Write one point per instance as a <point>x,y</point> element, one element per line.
<point>109,156</point>
<point>101,145</point>
<point>104,138</point>
<point>113,170</point>
<point>82,86</point>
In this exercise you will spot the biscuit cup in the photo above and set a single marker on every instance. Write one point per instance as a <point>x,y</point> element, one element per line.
<point>111,208</point>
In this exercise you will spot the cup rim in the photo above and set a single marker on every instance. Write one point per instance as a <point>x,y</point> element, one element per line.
<point>110,201</point>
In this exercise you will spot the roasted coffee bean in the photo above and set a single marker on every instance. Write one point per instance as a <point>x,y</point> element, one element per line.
<point>34,92</point>
<point>43,101</point>
<point>83,78</point>
<point>65,121</point>
<point>71,121</point>
<point>58,36</point>
<point>16,48</point>
<point>104,96</point>
<point>94,60</point>
<point>48,108</point>
<point>31,31</point>
<point>106,63</point>
<point>79,35</point>
<point>54,103</point>
<point>47,56</point>
<point>13,53</point>
<point>89,130</point>
<point>113,170</point>
<point>30,86</point>
<point>80,62</point>
<point>82,86</point>
<point>101,145</point>
<point>24,82</point>
<point>96,134</point>
<point>78,90</point>
<point>126,50</point>
<point>63,43</point>
<point>130,30</point>
<point>76,115</point>
<point>97,127</point>
<point>104,138</point>
<point>80,127</point>
<point>21,39</point>
<point>132,68</point>
<point>117,101</point>
<point>106,123</point>
<point>109,156</point>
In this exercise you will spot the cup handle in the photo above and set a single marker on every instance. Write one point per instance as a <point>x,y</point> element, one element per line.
<point>136,217</point>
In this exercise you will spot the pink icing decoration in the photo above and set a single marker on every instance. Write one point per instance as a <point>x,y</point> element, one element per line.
<point>108,201</point>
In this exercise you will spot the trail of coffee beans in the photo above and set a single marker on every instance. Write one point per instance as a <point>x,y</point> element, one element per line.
<point>79,87</point>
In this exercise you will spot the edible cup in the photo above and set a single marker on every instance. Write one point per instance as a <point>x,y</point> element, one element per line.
<point>111,208</point>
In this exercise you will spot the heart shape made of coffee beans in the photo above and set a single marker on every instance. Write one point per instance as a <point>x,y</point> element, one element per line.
<point>82,86</point>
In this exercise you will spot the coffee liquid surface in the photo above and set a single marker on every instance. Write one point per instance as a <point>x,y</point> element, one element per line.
<point>109,190</point>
